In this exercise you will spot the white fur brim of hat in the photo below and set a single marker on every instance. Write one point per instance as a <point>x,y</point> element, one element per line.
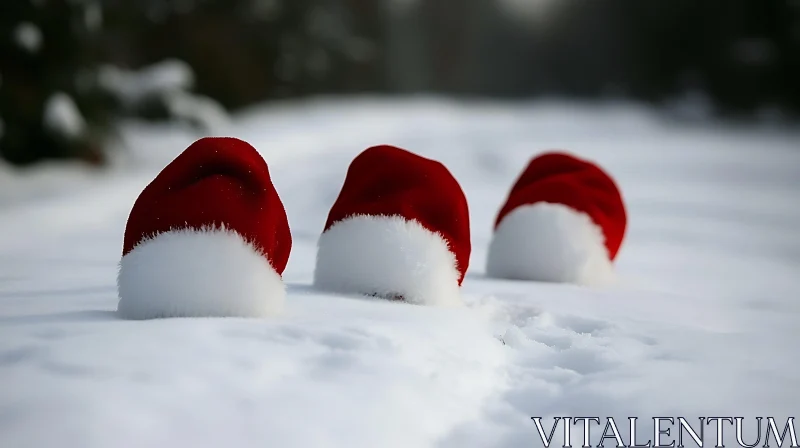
<point>550,243</point>
<point>389,257</point>
<point>198,273</point>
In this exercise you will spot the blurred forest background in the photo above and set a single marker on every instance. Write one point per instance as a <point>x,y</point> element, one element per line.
<point>69,69</point>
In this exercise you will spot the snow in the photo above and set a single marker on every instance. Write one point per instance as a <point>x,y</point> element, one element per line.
<point>196,109</point>
<point>702,321</point>
<point>134,86</point>
<point>62,116</point>
<point>171,80</point>
<point>28,36</point>
<point>549,242</point>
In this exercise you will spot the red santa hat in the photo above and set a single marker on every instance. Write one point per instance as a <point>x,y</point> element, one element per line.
<point>564,221</point>
<point>208,237</point>
<point>399,229</point>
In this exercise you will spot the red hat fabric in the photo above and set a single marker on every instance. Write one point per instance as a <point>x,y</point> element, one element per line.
<point>208,236</point>
<point>564,220</point>
<point>399,228</point>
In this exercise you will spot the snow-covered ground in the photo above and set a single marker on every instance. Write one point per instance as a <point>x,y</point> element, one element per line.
<point>703,323</point>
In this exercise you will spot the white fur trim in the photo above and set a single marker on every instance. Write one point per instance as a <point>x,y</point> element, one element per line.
<point>198,273</point>
<point>550,243</point>
<point>387,257</point>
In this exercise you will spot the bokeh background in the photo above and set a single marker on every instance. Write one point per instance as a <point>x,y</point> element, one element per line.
<point>71,69</point>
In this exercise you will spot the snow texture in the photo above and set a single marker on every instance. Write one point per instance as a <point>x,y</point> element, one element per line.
<point>198,273</point>
<point>28,36</point>
<point>200,110</point>
<point>389,257</point>
<point>549,243</point>
<point>169,80</point>
<point>62,116</point>
<point>703,320</point>
<point>134,86</point>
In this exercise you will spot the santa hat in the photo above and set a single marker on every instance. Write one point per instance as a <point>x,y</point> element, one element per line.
<point>564,221</point>
<point>208,237</point>
<point>399,230</point>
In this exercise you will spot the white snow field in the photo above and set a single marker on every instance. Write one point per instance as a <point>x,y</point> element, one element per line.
<point>703,320</point>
